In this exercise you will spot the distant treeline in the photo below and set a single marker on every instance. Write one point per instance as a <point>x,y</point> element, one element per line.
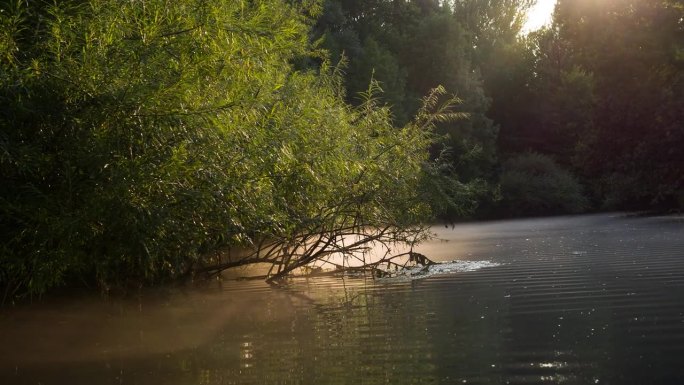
<point>587,113</point>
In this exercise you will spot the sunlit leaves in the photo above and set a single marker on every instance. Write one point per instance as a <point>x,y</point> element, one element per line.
<point>151,133</point>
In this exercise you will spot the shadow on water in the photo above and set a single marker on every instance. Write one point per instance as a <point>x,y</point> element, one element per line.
<point>574,300</point>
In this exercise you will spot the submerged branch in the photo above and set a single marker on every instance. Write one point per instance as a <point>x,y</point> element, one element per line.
<point>346,248</point>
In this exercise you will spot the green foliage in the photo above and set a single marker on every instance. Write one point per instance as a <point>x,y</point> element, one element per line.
<point>378,63</point>
<point>410,47</point>
<point>637,138</point>
<point>603,96</point>
<point>137,137</point>
<point>533,184</point>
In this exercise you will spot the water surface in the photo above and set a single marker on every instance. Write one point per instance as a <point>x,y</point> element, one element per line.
<point>571,300</point>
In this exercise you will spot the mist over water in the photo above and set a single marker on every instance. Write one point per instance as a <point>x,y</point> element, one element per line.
<point>568,300</point>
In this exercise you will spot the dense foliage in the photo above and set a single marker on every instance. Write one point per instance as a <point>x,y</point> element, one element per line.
<point>603,91</point>
<point>599,91</point>
<point>533,184</point>
<point>409,47</point>
<point>137,137</point>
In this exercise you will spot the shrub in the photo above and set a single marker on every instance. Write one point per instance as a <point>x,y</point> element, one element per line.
<point>533,184</point>
<point>136,138</point>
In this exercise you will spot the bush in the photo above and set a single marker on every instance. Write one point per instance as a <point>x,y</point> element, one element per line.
<point>533,184</point>
<point>136,139</point>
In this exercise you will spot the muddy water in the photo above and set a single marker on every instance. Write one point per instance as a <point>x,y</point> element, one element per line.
<point>570,300</point>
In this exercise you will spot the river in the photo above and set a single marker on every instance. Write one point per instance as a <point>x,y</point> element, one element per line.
<point>595,299</point>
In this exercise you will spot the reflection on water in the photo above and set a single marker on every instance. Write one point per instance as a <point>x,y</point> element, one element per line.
<point>573,300</point>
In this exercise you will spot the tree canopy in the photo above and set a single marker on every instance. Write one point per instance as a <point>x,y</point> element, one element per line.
<point>605,91</point>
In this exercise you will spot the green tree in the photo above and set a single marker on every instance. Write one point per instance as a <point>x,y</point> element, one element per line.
<point>630,48</point>
<point>533,184</point>
<point>603,97</point>
<point>138,138</point>
<point>412,47</point>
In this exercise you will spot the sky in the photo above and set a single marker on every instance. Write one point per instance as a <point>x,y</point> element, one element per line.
<point>539,15</point>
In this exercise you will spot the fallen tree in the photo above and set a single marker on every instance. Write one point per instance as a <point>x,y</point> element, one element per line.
<point>363,227</point>
<point>369,251</point>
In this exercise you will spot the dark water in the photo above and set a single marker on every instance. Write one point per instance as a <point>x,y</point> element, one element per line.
<point>575,300</point>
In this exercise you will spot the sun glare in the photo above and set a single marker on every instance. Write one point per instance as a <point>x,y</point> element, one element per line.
<point>539,15</point>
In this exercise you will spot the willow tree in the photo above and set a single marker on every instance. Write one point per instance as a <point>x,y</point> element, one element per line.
<point>139,137</point>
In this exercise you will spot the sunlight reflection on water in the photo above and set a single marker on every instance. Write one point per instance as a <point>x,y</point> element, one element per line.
<point>571,300</point>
